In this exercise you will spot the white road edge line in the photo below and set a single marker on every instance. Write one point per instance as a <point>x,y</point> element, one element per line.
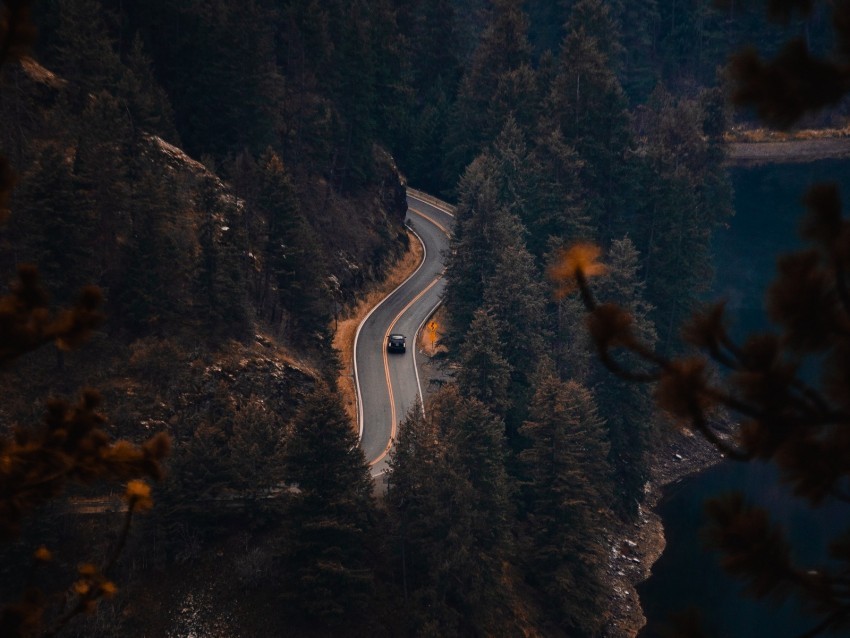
<point>427,203</point>
<point>415,339</point>
<point>357,334</point>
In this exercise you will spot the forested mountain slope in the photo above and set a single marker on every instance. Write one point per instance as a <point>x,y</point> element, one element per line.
<point>227,174</point>
<point>221,279</point>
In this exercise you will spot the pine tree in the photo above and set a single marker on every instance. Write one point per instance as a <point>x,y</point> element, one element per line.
<point>595,20</point>
<point>220,282</point>
<point>84,51</point>
<point>158,268</point>
<point>686,198</point>
<point>588,105</point>
<point>418,474</point>
<point>147,100</point>
<point>566,488</point>
<point>71,444</point>
<point>484,372</point>
<point>502,50</point>
<point>351,83</point>
<point>476,440</point>
<point>225,85</point>
<point>560,213</point>
<point>483,226</point>
<point>514,176</point>
<point>451,501</point>
<point>55,230</point>
<point>255,449</point>
<point>638,21</point>
<point>101,172</point>
<point>788,385</point>
<point>329,570</point>
<point>514,295</point>
<point>293,260</point>
<point>627,408</point>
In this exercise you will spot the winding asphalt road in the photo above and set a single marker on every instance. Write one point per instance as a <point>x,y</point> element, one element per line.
<point>388,383</point>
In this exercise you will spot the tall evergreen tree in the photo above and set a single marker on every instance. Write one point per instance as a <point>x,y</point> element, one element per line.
<point>55,230</point>
<point>514,295</point>
<point>626,407</point>
<point>294,269</point>
<point>158,267</point>
<point>484,372</point>
<point>220,282</point>
<point>328,566</point>
<point>595,20</point>
<point>687,195</point>
<point>588,105</point>
<point>352,85</point>
<point>483,227</point>
<point>566,488</point>
<point>638,21</point>
<point>503,49</point>
<point>102,176</point>
<point>147,100</point>
<point>420,492</point>
<point>477,449</point>
<point>84,52</point>
<point>449,499</point>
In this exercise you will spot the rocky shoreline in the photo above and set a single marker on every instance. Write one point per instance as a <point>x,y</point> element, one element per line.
<point>636,547</point>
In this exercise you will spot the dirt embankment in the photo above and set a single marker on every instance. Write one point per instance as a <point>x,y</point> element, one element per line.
<point>346,326</point>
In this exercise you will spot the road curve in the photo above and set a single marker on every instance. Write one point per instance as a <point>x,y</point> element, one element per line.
<point>388,384</point>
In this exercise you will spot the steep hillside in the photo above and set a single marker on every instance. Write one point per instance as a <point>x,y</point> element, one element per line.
<point>211,333</point>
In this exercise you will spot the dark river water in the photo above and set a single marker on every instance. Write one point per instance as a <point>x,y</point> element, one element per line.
<point>768,211</point>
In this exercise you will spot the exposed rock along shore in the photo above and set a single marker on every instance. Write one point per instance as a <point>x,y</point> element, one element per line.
<point>636,547</point>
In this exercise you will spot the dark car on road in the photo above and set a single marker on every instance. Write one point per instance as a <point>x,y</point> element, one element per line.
<point>396,343</point>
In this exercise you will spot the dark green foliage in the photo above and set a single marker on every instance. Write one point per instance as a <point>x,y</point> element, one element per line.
<point>222,294</point>
<point>627,408</point>
<point>450,499</point>
<point>157,269</point>
<point>486,96</point>
<point>687,195</point>
<point>566,488</point>
<point>225,77</point>
<point>588,106</point>
<point>102,176</point>
<point>485,373</point>
<point>420,493</point>
<point>546,25</point>
<point>483,226</point>
<point>70,445</point>
<point>594,19</point>
<point>352,84</point>
<point>84,50</point>
<point>476,440</point>
<point>327,564</point>
<point>514,296</point>
<point>55,227</point>
<point>146,99</point>
<point>638,26</point>
<point>560,213</point>
<point>789,420</point>
<point>294,284</point>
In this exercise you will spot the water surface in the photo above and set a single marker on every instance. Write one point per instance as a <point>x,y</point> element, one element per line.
<point>768,205</point>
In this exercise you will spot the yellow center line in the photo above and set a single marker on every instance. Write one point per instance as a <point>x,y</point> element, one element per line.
<point>430,219</point>
<point>393,422</point>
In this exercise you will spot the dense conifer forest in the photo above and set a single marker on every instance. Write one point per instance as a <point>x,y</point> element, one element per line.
<point>230,176</point>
